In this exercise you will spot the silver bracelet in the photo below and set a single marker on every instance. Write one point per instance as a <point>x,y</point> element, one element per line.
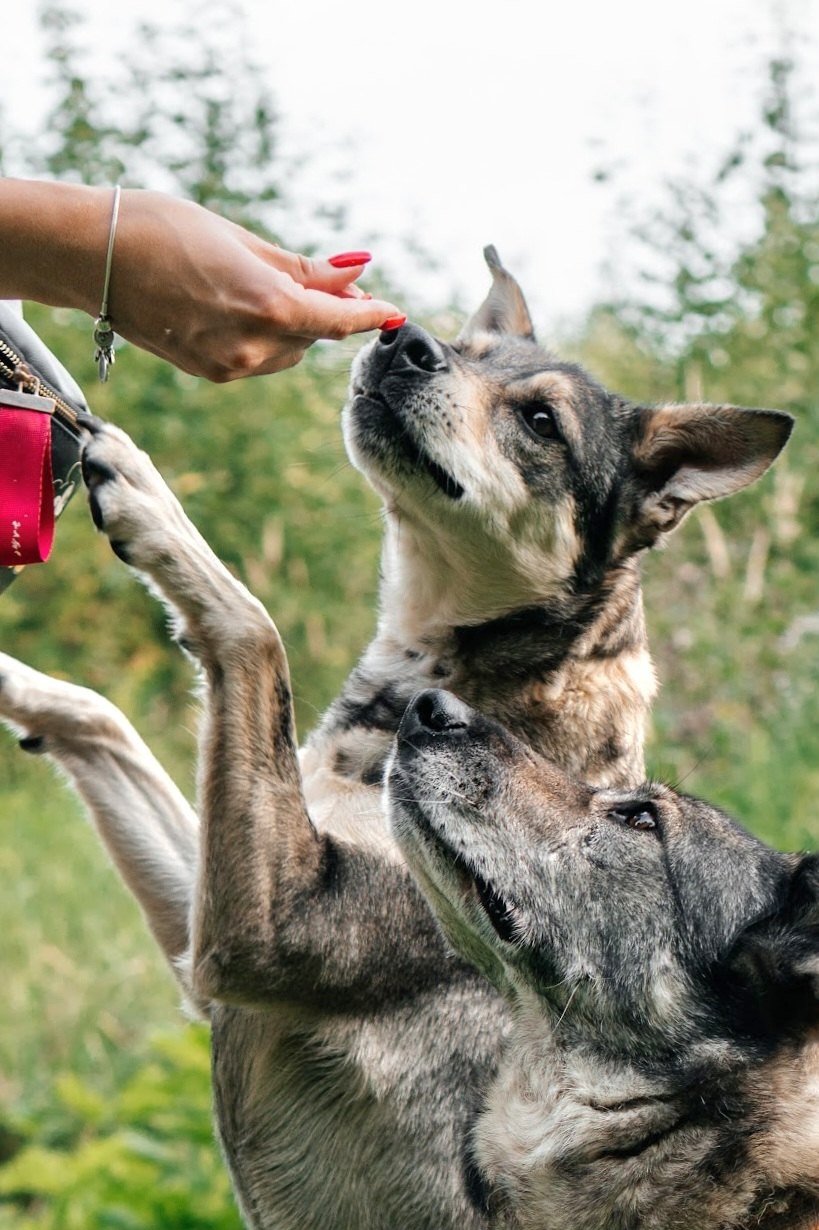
<point>103,329</point>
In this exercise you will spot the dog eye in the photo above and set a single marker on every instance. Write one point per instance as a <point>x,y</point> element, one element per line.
<point>539,419</point>
<point>640,816</point>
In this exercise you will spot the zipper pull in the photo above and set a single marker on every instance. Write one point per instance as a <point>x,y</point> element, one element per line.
<point>22,400</point>
<point>9,400</point>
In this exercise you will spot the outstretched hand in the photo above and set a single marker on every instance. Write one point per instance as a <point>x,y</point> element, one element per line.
<point>186,284</point>
<point>218,301</point>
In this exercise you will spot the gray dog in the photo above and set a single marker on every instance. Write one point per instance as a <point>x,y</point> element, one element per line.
<point>350,1048</point>
<point>662,967</point>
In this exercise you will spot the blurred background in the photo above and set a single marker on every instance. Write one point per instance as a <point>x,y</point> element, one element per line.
<point>651,174</point>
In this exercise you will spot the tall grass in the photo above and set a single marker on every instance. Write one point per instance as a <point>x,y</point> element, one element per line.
<point>83,984</point>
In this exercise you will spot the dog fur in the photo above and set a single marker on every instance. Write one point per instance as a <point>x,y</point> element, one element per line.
<point>662,967</point>
<point>349,1046</point>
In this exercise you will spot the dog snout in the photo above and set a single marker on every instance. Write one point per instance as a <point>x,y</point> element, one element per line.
<point>409,349</point>
<point>433,715</point>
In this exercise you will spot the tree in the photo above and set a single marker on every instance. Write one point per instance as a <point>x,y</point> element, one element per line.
<point>727,309</point>
<point>261,469</point>
<point>189,112</point>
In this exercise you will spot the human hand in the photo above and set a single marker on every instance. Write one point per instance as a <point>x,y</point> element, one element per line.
<point>220,302</point>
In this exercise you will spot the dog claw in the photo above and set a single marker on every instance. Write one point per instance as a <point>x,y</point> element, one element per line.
<point>95,472</point>
<point>96,512</point>
<point>33,744</point>
<point>120,549</point>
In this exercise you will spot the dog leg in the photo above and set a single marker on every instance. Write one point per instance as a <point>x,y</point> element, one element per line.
<point>272,915</point>
<point>149,830</point>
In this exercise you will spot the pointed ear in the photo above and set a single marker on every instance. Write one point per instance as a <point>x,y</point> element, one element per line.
<point>771,975</point>
<point>504,309</point>
<point>685,454</point>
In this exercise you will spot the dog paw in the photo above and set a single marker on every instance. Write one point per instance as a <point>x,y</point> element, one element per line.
<point>21,702</point>
<point>128,498</point>
<point>46,713</point>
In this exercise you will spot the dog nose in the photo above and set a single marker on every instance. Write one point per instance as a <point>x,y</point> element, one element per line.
<point>411,349</point>
<point>433,714</point>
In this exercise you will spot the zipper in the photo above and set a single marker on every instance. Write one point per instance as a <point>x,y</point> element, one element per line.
<point>15,369</point>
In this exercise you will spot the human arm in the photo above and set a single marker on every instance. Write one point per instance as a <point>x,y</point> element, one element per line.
<point>186,284</point>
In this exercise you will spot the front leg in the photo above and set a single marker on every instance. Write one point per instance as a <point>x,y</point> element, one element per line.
<point>281,911</point>
<point>148,828</point>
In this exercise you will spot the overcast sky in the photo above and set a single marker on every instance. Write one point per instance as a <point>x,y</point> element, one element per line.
<point>465,123</point>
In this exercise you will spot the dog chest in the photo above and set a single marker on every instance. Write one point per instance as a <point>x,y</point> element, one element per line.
<point>320,1125</point>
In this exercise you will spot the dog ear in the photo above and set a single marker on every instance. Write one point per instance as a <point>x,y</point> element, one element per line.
<point>685,454</point>
<point>504,309</point>
<point>771,975</point>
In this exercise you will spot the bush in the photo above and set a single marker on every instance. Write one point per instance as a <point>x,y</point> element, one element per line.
<point>143,1159</point>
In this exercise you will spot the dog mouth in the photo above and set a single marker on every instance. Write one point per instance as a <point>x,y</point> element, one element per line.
<point>413,452</point>
<point>502,915</point>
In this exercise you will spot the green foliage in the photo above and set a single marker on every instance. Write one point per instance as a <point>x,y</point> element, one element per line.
<point>120,1137</point>
<point>216,134</point>
<point>82,147</point>
<point>142,1159</point>
<point>124,1138</point>
<point>188,111</point>
<point>732,604</point>
<point>82,982</point>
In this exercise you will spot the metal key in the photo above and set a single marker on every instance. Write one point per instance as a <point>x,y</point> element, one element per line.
<point>104,355</point>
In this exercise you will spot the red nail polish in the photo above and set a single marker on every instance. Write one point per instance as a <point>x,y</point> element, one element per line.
<point>394,322</point>
<point>347,260</point>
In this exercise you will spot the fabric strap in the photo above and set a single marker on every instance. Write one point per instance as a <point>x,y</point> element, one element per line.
<point>26,486</point>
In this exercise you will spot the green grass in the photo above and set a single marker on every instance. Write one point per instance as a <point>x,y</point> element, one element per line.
<point>105,1115</point>
<point>737,717</point>
<point>83,982</point>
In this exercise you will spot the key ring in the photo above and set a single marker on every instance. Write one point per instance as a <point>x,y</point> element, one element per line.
<point>104,336</point>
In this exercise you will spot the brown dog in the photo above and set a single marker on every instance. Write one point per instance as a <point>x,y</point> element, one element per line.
<point>662,969</point>
<point>350,1048</point>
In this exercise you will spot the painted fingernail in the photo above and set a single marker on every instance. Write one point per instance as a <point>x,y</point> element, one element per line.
<point>394,322</point>
<point>346,260</point>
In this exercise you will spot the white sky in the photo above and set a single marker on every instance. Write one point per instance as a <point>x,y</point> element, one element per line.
<point>462,123</point>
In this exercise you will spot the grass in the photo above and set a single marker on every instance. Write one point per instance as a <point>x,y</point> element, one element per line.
<point>105,1115</point>
<point>83,985</point>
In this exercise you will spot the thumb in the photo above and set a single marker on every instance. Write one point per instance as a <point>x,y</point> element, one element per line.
<point>318,314</point>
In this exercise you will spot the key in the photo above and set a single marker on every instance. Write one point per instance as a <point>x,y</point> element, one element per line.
<point>104,355</point>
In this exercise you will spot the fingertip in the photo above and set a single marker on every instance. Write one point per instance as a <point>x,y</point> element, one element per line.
<point>378,315</point>
<point>350,260</point>
<point>315,313</point>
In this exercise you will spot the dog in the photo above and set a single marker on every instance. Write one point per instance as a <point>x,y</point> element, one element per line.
<point>662,967</point>
<point>349,1046</point>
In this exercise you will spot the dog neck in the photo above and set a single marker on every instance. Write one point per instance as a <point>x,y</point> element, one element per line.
<point>569,673</point>
<point>571,1138</point>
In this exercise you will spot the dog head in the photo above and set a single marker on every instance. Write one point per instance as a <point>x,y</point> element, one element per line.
<point>647,919</point>
<point>497,449</point>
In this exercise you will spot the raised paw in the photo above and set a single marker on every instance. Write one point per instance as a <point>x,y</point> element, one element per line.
<point>147,528</point>
<point>128,498</point>
<point>40,710</point>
